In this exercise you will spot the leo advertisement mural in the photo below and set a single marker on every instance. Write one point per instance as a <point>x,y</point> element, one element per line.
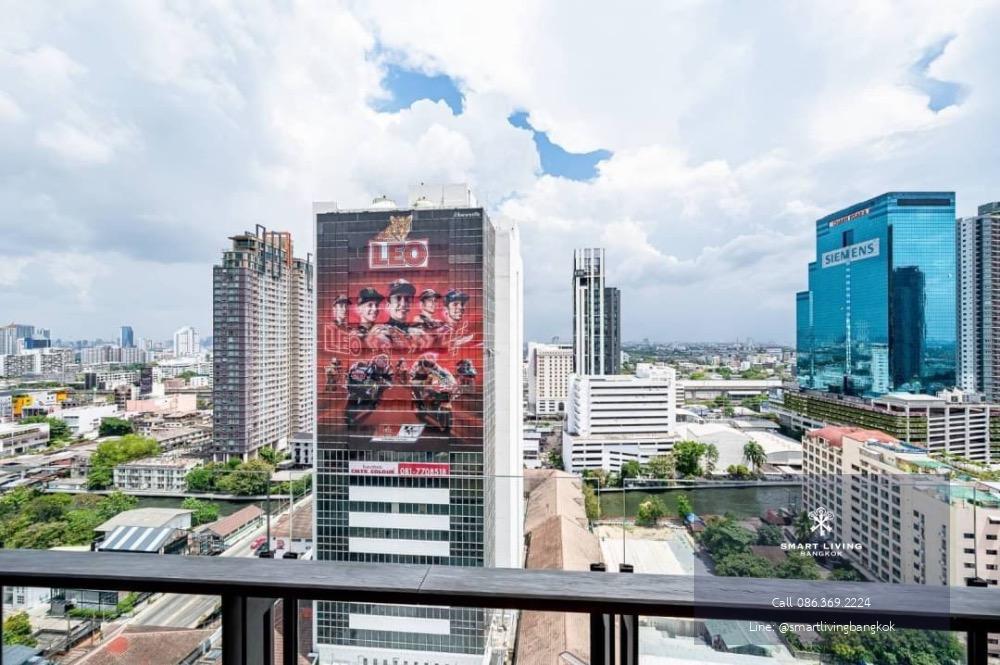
<point>400,331</point>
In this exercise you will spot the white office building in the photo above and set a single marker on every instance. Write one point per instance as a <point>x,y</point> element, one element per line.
<point>84,420</point>
<point>186,342</point>
<point>549,369</point>
<point>613,419</point>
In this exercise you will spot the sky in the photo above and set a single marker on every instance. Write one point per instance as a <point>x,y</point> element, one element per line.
<point>696,141</point>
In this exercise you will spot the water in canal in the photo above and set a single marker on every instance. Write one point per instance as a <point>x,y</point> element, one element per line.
<point>739,501</point>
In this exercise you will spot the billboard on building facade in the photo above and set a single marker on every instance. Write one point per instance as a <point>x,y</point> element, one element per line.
<point>400,330</point>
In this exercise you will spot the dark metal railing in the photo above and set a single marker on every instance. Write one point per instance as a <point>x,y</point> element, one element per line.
<point>249,589</point>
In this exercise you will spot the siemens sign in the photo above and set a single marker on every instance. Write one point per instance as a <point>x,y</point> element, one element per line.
<point>862,250</point>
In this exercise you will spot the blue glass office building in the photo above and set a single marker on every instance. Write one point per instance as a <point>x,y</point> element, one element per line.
<point>879,315</point>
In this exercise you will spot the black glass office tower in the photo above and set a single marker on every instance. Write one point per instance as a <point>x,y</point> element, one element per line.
<point>880,315</point>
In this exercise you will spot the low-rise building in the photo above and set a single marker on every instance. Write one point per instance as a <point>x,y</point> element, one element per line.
<point>18,439</point>
<point>215,537</point>
<point>173,403</point>
<point>300,447</point>
<point>613,419</point>
<point>176,438</point>
<point>145,540</point>
<point>951,422</point>
<point>163,474</point>
<point>84,420</point>
<point>783,455</point>
<point>705,390</point>
<point>177,518</point>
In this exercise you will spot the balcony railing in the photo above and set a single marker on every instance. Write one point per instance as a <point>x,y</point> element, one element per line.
<point>249,589</point>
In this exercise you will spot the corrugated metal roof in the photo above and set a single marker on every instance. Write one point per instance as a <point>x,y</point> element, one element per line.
<point>137,539</point>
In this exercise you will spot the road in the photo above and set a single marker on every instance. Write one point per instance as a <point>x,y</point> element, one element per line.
<point>185,611</point>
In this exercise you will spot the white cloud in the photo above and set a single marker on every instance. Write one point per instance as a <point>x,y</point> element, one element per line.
<point>732,128</point>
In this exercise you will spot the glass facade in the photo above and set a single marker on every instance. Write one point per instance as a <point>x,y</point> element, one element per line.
<point>879,314</point>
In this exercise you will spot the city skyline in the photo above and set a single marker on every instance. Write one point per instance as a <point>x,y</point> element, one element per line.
<point>704,204</point>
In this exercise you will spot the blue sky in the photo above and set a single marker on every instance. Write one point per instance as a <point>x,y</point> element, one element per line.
<point>406,86</point>
<point>135,140</point>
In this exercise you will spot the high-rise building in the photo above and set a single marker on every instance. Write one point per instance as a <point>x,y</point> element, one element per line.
<point>549,369</point>
<point>589,335</point>
<point>126,338</point>
<point>10,334</point>
<point>186,342</point>
<point>978,272</point>
<point>615,419</point>
<point>612,330</point>
<point>262,313</point>
<point>418,413</point>
<point>879,314</point>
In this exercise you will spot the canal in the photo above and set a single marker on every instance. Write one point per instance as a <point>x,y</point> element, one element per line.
<point>740,502</point>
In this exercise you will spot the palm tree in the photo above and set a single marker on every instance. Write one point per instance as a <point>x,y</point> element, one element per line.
<point>754,455</point>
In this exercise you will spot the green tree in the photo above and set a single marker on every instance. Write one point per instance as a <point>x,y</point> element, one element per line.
<point>115,427</point>
<point>114,503</point>
<point>738,471</point>
<point>661,466</point>
<point>798,566</point>
<point>58,429</point>
<point>688,456</point>
<point>684,507</point>
<point>271,455</point>
<point>113,452</point>
<point>204,478</point>
<point>48,507</point>
<point>846,574</point>
<point>743,564</point>
<point>249,478</point>
<point>711,459</point>
<point>769,534</point>
<point>650,511</point>
<point>555,459</point>
<point>754,455</point>
<point>802,525</point>
<point>204,511</point>
<point>38,536</point>
<point>17,630</point>
<point>723,537</point>
<point>631,469</point>
<point>590,502</point>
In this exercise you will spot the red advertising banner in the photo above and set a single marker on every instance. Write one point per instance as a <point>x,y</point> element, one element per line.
<point>400,332</point>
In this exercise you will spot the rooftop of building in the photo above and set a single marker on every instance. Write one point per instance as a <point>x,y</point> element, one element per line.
<point>143,517</point>
<point>150,645</point>
<point>162,463</point>
<point>230,523</point>
<point>834,435</point>
<point>558,538</point>
<point>148,539</point>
